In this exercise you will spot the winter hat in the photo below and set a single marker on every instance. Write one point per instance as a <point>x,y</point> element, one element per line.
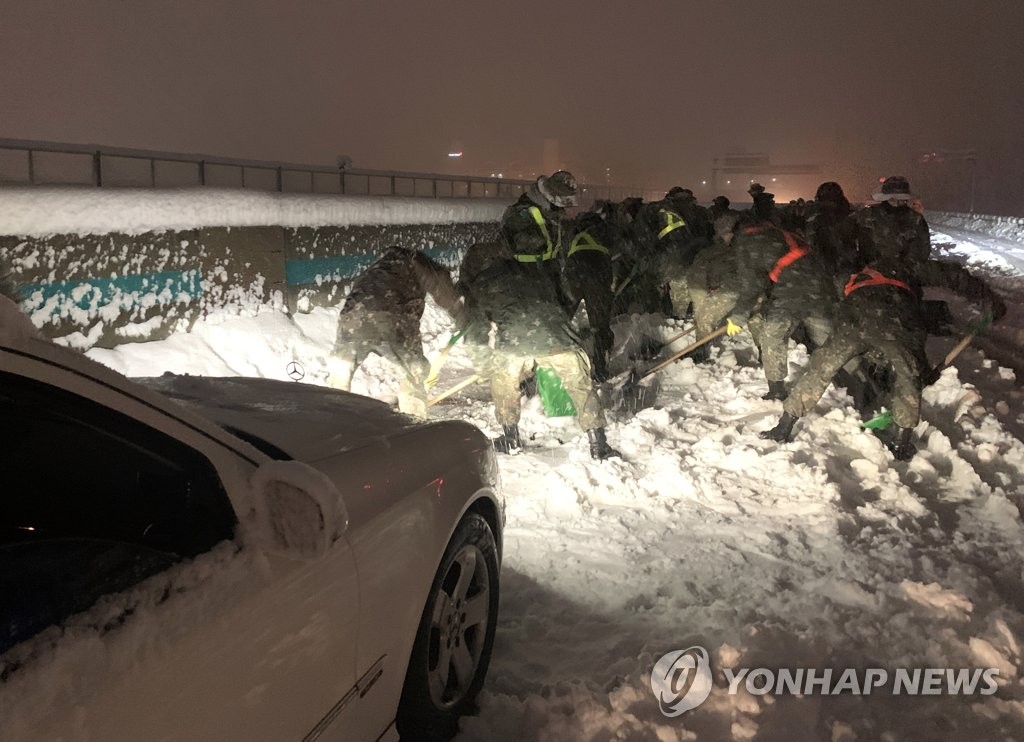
<point>895,186</point>
<point>559,188</point>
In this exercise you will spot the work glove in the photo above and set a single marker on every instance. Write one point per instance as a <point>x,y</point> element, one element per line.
<point>731,328</point>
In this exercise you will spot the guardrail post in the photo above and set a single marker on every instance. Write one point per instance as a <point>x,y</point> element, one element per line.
<point>280,180</point>
<point>342,178</point>
<point>31,169</point>
<point>152,173</point>
<point>393,191</point>
<point>97,168</point>
<point>202,172</point>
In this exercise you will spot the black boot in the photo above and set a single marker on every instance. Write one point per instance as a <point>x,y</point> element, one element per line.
<point>599,448</point>
<point>509,441</point>
<point>783,430</point>
<point>776,390</point>
<point>901,447</point>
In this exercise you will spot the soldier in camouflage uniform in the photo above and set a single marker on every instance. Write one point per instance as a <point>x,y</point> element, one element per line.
<point>382,315</point>
<point>676,229</point>
<point>513,324</point>
<point>880,319</point>
<point>801,295</point>
<point>708,280</point>
<point>891,231</point>
<point>588,278</point>
<point>533,227</point>
<point>830,230</point>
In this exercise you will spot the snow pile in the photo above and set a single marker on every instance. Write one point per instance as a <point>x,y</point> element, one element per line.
<point>39,212</point>
<point>820,553</point>
<point>1009,227</point>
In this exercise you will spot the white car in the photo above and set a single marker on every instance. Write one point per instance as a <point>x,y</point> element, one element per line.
<point>187,558</point>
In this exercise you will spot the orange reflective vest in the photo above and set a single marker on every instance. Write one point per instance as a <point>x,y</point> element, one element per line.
<point>874,278</point>
<point>797,249</point>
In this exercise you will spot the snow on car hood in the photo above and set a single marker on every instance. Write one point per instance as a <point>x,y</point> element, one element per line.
<point>305,421</point>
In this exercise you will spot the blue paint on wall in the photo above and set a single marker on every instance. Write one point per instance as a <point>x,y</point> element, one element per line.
<point>347,267</point>
<point>90,292</point>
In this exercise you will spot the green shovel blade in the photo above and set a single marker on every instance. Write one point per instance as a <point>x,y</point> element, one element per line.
<point>553,397</point>
<point>881,421</point>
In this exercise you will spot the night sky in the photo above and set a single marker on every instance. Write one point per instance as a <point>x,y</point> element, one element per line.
<point>648,91</point>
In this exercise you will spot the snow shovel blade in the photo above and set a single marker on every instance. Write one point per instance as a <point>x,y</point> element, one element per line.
<point>435,367</point>
<point>881,421</point>
<point>553,397</point>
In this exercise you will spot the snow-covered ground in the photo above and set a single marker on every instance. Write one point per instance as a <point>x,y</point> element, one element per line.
<point>824,552</point>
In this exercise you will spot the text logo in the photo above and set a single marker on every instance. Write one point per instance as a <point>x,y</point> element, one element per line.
<point>682,680</point>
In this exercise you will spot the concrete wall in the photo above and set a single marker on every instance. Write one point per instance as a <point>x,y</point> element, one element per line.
<point>104,290</point>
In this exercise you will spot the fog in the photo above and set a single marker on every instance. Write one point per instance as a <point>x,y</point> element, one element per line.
<point>645,93</point>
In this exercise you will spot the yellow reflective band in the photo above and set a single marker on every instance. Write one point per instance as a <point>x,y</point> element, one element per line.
<point>583,241</point>
<point>552,250</point>
<point>674,221</point>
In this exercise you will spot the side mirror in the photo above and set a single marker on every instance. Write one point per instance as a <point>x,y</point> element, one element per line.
<point>297,509</point>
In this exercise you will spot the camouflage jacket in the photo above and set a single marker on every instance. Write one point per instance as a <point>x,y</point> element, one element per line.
<point>524,308</point>
<point>532,230</point>
<point>398,283</point>
<point>893,239</point>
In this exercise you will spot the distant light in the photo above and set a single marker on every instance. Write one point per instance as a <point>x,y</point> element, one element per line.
<point>703,182</point>
<point>455,154</point>
<point>728,182</point>
<point>774,179</point>
<point>501,175</point>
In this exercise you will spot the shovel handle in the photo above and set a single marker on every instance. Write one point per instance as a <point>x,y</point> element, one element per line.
<point>454,390</point>
<point>957,349</point>
<point>688,349</point>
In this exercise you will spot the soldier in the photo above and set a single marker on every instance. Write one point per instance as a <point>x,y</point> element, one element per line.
<point>880,319</point>
<point>707,278</point>
<point>532,226</point>
<point>763,208</point>
<point>891,230</point>
<point>588,279</point>
<point>676,228</point>
<point>382,315</point>
<point>720,206</point>
<point>783,284</point>
<point>513,324</point>
<point>830,231</point>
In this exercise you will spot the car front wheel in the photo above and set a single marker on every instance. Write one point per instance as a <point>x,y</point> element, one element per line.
<point>456,633</point>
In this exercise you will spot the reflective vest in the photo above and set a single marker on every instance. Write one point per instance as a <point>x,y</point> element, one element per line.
<point>583,241</point>
<point>672,221</point>
<point>796,251</point>
<point>552,247</point>
<point>871,277</point>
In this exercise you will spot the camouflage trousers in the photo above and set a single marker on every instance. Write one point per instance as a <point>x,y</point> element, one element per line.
<point>772,330</point>
<point>395,340</point>
<point>904,354</point>
<point>508,370</point>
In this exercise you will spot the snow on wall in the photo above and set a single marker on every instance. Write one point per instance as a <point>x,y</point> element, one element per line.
<point>99,268</point>
<point>1009,227</point>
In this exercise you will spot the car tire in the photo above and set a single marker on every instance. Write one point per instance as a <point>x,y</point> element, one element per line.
<point>455,637</point>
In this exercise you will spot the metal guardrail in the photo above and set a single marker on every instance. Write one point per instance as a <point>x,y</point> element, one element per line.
<point>28,162</point>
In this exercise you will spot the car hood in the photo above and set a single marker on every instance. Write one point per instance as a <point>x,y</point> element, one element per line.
<point>304,421</point>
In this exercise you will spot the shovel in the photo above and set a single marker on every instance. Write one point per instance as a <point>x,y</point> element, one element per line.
<point>435,367</point>
<point>628,388</point>
<point>454,390</point>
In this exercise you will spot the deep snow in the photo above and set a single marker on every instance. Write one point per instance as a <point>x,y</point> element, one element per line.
<point>820,553</point>
<point>824,552</point>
